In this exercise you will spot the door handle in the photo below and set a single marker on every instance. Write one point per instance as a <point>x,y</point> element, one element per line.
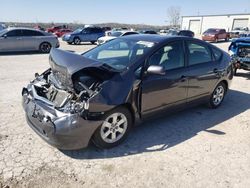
<point>216,70</point>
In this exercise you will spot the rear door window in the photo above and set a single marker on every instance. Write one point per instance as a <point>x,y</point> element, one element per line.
<point>198,53</point>
<point>217,54</point>
<point>30,33</point>
<point>14,33</point>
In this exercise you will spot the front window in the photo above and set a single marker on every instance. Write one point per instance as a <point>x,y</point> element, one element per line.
<point>212,31</point>
<point>119,53</point>
<point>77,31</point>
<point>169,57</point>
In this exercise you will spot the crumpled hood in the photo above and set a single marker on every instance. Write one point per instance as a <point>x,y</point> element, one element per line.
<point>69,63</point>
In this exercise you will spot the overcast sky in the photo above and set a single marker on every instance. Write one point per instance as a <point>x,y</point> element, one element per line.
<point>98,11</point>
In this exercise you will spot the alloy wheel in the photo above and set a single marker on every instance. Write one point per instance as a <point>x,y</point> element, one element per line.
<point>218,95</point>
<point>114,127</point>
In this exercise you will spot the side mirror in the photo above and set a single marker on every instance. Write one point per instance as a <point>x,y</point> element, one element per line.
<point>156,69</point>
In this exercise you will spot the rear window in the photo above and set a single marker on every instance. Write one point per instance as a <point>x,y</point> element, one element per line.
<point>198,53</point>
<point>217,54</point>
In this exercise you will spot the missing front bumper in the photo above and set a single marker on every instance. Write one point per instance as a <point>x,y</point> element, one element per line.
<point>61,130</point>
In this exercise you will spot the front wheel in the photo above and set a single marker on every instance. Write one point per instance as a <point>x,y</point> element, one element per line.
<point>77,41</point>
<point>114,129</point>
<point>218,95</point>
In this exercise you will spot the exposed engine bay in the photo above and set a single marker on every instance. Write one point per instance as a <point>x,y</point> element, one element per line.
<point>244,51</point>
<point>52,90</point>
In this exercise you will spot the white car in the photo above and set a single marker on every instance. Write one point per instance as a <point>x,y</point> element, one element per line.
<point>113,35</point>
<point>236,32</point>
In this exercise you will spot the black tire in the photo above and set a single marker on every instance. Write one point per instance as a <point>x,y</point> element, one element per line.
<point>77,41</point>
<point>45,47</point>
<point>93,42</point>
<point>213,103</point>
<point>98,139</point>
<point>69,43</point>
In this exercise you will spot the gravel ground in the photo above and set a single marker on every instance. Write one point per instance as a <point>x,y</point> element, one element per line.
<point>199,147</point>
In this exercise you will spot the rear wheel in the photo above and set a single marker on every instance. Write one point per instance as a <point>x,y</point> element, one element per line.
<point>218,95</point>
<point>93,42</point>
<point>114,129</point>
<point>77,40</point>
<point>45,47</point>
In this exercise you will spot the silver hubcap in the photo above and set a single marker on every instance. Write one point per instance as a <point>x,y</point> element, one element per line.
<point>45,47</point>
<point>77,41</point>
<point>114,127</point>
<point>218,95</point>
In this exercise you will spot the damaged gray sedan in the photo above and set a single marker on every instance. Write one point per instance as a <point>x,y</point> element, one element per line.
<point>102,93</point>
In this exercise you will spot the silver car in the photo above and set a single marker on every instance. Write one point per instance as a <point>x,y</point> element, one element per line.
<point>24,39</point>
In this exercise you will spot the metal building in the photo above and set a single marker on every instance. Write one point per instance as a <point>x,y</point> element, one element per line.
<point>198,24</point>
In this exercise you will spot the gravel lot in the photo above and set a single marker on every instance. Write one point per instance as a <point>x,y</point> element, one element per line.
<point>199,147</point>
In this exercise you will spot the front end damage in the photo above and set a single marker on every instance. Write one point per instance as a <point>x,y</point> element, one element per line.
<point>57,104</point>
<point>240,50</point>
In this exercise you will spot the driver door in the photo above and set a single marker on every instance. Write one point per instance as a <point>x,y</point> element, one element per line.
<point>160,92</point>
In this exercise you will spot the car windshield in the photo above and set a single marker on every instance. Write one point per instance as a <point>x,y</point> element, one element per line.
<point>116,34</point>
<point>119,53</point>
<point>2,32</point>
<point>212,31</point>
<point>77,31</point>
<point>239,28</point>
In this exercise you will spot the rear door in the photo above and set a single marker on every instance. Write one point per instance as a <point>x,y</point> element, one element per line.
<point>203,70</point>
<point>31,39</point>
<point>164,91</point>
<point>12,41</point>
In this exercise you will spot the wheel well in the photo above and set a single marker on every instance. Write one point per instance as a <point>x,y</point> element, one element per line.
<point>130,109</point>
<point>45,42</point>
<point>226,84</point>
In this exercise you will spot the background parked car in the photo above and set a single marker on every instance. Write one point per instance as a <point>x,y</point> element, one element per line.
<point>240,51</point>
<point>62,32</point>
<point>24,39</point>
<point>87,34</point>
<point>214,35</point>
<point>2,26</point>
<point>114,35</point>
<point>186,33</point>
<point>38,27</point>
<point>236,32</point>
<point>56,28</point>
<point>148,32</point>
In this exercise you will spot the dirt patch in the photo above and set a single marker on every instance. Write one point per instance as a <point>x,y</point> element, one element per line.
<point>45,177</point>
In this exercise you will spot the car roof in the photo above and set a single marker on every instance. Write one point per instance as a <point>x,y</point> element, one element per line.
<point>153,38</point>
<point>23,28</point>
